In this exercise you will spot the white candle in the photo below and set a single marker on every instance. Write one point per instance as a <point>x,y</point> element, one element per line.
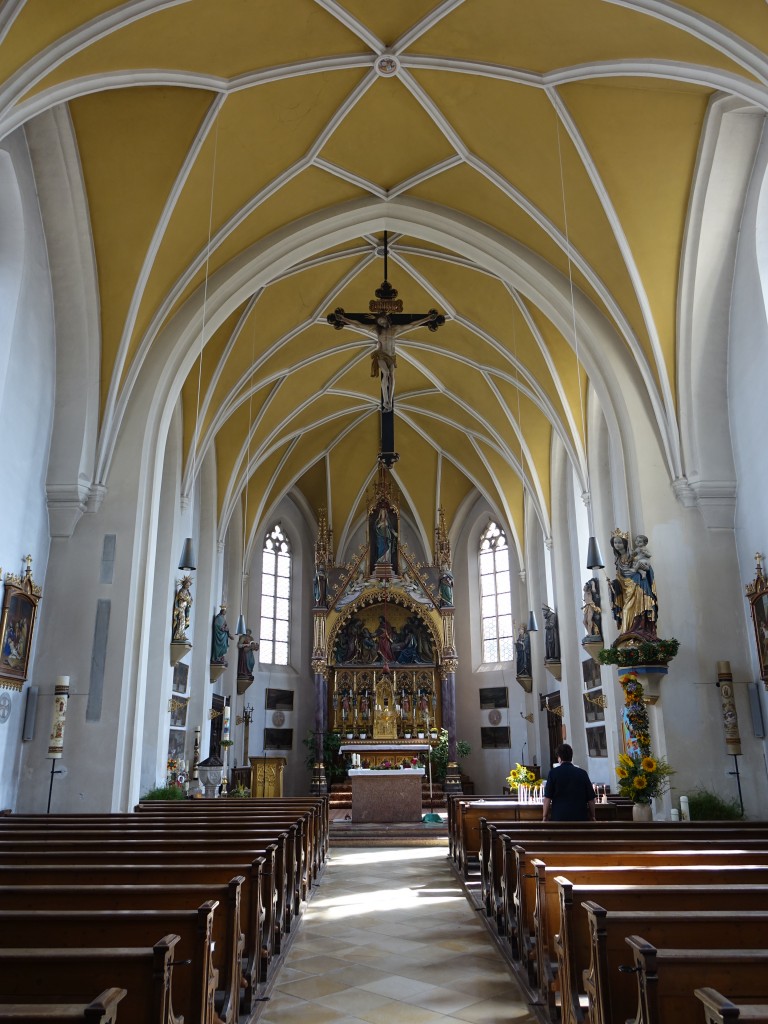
<point>60,698</point>
<point>225,729</point>
<point>685,813</point>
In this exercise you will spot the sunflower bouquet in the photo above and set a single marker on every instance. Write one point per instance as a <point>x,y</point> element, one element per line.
<point>520,776</point>
<point>642,776</point>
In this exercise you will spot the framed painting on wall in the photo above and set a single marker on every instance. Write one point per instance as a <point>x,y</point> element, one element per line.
<point>493,697</point>
<point>17,624</point>
<point>494,737</point>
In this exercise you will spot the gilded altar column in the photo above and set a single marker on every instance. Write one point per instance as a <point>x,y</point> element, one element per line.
<point>320,671</point>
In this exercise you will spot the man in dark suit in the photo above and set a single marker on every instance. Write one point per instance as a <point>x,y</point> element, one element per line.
<point>568,794</point>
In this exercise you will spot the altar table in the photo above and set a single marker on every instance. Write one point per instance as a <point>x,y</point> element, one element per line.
<point>386,796</point>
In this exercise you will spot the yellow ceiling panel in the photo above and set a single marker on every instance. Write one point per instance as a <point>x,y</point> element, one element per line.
<point>644,143</point>
<point>222,39</point>
<point>514,128</point>
<point>389,21</point>
<point>454,488</point>
<point>462,452</point>
<point>40,23</point>
<point>431,411</point>
<point>463,189</point>
<point>416,473</point>
<point>229,441</point>
<point>261,494</point>
<point>356,451</point>
<point>387,137</point>
<point>313,484</point>
<point>510,486</point>
<point>202,371</point>
<point>537,432</point>
<point>540,36</point>
<point>132,143</point>
<point>573,376</point>
<point>309,191</point>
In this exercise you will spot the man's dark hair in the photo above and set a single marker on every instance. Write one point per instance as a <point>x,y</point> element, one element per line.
<point>565,752</point>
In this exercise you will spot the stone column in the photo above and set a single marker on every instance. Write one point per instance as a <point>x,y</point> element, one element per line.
<point>320,669</point>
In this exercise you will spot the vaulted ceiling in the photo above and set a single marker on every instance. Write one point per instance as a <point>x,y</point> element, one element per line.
<point>562,131</point>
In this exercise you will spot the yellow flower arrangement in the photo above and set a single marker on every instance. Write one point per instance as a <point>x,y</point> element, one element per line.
<point>642,776</point>
<point>520,776</point>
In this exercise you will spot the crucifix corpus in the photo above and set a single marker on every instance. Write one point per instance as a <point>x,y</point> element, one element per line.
<point>385,321</point>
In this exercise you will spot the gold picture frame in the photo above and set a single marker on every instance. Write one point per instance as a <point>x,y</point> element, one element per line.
<point>17,624</point>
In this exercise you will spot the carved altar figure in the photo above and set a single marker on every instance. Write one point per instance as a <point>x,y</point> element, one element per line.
<point>384,714</point>
<point>633,591</point>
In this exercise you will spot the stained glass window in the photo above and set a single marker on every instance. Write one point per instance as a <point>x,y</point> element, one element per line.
<point>275,598</point>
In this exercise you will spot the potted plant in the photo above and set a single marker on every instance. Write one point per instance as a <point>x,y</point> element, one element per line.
<point>438,755</point>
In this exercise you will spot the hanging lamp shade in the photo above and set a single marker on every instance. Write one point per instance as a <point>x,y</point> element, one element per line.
<point>241,629</point>
<point>594,558</point>
<point>188,559</point>
<point>532,625</point>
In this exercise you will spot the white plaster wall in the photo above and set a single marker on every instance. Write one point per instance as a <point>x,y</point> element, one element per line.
<point>27,374</point>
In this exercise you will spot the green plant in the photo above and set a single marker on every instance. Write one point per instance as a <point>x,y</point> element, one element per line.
<point>335,765</point>
<point>240,792</point>
<point>705,805</point>
<point>165,793</point>
<point>647,652</point>
<point>439,755</point>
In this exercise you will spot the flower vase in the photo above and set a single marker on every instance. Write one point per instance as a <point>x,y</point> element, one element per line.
<point>642,812</point>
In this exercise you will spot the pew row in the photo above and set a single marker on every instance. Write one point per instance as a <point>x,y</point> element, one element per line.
<point>101,1010</point>
<point>668,978</point>
<point>719,1010</point>
<point>146,974</point>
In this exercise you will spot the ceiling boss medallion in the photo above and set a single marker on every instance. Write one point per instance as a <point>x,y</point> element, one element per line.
<point>385,321</point>
<point>387,65</point>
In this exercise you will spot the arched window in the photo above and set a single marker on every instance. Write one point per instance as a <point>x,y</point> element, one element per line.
<point>495,595</point>
<point>275,598</point>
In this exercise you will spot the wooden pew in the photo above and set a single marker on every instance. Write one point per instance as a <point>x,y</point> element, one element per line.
<point>719,1010</point>
<point>501,885</point>
<point>70,976</point>
<point>257,957</point>
<point>667,979</point>
<point>280,898</point>
<point>611,994</point>
<point>101,1010</point>
<point>542,964</point>
<point>71,929</point>
<point>226,936</point>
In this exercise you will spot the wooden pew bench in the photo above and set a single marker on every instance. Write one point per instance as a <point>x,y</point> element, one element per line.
<point>542,961</point>
<point>195,977</point>
<point>719,1010</point>
<point>257,956</point>
<point>668,978</point>
<point>71,975</point>
<point>101,1010</point>
<point>278,902</point>
<point>592,944</point>
<point>227,939</point>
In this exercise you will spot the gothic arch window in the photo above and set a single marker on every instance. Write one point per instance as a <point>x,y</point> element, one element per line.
<point>495,595</point>
<point>275,598</point>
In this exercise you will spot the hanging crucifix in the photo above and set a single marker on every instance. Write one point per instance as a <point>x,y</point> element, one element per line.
<point>385,322</point>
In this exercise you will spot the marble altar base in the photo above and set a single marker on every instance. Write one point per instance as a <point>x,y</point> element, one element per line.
<point>381,796</point>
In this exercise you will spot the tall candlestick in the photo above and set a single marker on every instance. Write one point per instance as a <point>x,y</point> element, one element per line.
<point>60,698</point>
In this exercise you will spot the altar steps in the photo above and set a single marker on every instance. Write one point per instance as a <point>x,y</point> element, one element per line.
<point>348,833</point>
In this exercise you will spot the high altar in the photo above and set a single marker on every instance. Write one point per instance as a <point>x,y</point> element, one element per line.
<point>384,659</point>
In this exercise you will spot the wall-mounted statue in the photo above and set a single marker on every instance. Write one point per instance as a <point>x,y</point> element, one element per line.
<point>384,537</point>
<point>523,647</point>
<point>445,586</point>
<point>633,592</point>
<point>246,655</point>
<point>593,616</point>
<point>551,634</point>
<point>182,602</point>
<point>221,637</point>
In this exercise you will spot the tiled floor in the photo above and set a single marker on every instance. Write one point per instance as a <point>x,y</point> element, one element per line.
<point>389,937</point>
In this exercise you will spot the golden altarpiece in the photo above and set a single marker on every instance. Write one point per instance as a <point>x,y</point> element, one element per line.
<point>384,657</point>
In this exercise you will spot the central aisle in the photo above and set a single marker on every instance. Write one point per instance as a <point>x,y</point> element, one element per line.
<point>389,935</point>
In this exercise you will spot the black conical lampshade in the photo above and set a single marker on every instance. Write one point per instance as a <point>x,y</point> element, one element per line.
<point>532,625</point>
<point>241,628</point>
<point>594,558</point>
<point>188,560</point>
